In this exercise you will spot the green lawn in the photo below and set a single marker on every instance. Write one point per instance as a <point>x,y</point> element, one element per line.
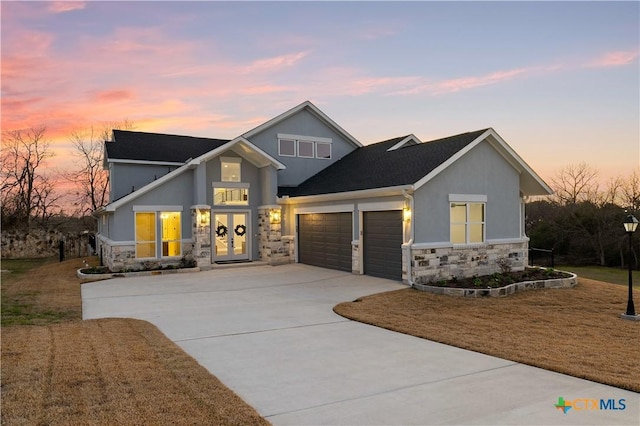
<point>602,273</point>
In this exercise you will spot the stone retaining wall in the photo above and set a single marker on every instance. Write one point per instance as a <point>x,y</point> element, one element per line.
<point>38,243</point>
<point>500,291</point>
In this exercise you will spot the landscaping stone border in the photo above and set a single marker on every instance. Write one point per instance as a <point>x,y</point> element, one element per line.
<point>501,291</point>
<point>95,277</point>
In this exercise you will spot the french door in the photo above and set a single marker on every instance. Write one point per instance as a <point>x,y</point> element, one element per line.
<point>230,232</point>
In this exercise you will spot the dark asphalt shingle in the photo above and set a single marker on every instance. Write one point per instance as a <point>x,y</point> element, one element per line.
<point>372,166</point>
<point>128,145</point>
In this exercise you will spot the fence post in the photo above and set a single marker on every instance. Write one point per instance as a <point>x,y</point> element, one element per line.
<point>61,250</point>
<point>553,264</point>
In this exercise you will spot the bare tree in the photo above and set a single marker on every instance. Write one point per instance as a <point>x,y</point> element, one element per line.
<point>629,193</point>
<point>575,183</point>
<point>25,188</point>
<point>91,179</point>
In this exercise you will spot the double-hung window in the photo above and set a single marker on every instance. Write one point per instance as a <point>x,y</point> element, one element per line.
<point>467,219</point>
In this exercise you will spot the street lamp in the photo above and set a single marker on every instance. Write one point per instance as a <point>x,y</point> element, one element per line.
<point>630,226</point>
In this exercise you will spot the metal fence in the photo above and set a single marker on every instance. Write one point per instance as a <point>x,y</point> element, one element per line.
<point>541,257</point>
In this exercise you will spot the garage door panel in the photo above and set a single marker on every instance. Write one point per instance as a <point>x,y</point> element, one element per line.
<point>382,244</point>
<point>325,240</point>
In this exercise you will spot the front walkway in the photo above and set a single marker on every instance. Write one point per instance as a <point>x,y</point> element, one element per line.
<point>269,333</point>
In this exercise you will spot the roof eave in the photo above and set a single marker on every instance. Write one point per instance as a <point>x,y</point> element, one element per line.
<point>294,110</point>
<point>348,195</point>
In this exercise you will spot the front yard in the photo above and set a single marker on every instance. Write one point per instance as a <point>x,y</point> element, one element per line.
<point>573,331</point>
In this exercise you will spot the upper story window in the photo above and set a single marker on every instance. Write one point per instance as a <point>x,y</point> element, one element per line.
<point>230,169</point>
<point>467,219</point>
<point>304,146</point>
<point>287,147</point>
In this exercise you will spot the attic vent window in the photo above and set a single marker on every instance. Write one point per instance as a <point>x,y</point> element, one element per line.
<point>304,146</point>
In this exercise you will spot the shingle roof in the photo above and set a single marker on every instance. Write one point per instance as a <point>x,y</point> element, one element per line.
<point>128,145</point>
<point>372,166</point>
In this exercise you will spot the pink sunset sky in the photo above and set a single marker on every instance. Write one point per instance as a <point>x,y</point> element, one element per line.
<point>559,81</point>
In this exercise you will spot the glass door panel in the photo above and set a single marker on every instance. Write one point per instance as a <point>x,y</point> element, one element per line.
<point>220,231</point>
<point>230,232</point>
<point>239,239</point>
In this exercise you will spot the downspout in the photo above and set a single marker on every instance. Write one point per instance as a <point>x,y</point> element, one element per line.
<point>409,243</point>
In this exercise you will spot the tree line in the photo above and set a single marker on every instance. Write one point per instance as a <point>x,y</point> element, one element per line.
<point>28,194</point>
<point>583,220</point>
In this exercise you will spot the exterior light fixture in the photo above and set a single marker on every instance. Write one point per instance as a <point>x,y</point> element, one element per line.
<point>406,215</point>
<point>274,216</point>
<point>630,226</point>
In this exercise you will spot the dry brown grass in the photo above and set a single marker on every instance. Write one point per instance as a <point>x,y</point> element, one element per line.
<point>99,372</point>
<point>575,331</point>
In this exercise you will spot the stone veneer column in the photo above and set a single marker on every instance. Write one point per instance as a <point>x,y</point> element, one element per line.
<point>201,231</point>
<point>273,248</point>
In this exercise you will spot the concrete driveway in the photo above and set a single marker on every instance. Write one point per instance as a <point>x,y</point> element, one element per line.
<point>269,333</point>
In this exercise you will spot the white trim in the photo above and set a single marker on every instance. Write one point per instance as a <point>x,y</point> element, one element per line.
<point>304,138</point>
<point>317,144</point>
<point>147,162</point>
<point>313,148</point>
<point>404,141</point>
<point>451,160</point>
<point>426,246</point>
<point>241,185</point>
<point>200,207</point>
<point>246,145</point>
<point>349,195</point>
<point>314,109</point>
<point>295,147</point>
<point>158,208</point>
<point>381,206</point>
<point>467,198</point>
<point>336,208</point>
<point>507,241</point>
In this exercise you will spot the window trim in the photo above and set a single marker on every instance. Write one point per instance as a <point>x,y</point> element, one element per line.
<point>317,144</point>
<point>295,145</point>
<point>135,233</point>
<point>313,148</point>
<point>467,201</point>
<point>297,139</point>
<point>231,160</point>
<point>162,240</point>
<point>231,185</point>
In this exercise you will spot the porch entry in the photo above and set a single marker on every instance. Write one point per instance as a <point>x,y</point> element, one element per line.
<point>230,233</point>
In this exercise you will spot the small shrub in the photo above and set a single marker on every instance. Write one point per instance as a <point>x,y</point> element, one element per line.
<point>504,264</point>
<point>477,282</point>
<point>188,262</point>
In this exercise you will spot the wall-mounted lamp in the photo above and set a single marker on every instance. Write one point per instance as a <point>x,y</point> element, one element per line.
<point>274,216</point>
<point>406,214</point>
<point>204,217</point>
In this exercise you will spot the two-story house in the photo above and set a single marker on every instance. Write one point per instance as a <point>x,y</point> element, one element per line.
<point>299,188</point>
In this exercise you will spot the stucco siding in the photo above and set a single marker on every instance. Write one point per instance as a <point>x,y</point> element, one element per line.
<point>482,171</point>
<point>298,169</point>
<point>171,193</point>
<point>124,178</point>
<point>248,174</point>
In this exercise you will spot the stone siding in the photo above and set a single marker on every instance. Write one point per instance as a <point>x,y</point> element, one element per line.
<point>122,257</point>
<point>275,249</point>
<point>435,264</point>
<point>201,231</point>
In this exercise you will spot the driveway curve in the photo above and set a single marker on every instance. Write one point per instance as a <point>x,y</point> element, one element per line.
<point>270,334</point>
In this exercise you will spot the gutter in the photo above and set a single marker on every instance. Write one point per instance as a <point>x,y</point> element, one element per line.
<point>409,243</point>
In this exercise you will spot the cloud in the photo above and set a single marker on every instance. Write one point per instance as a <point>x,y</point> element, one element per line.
<point>65,6</point>
<point>614,59</point>
<point>114,95</point>
<point>275,63</point>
